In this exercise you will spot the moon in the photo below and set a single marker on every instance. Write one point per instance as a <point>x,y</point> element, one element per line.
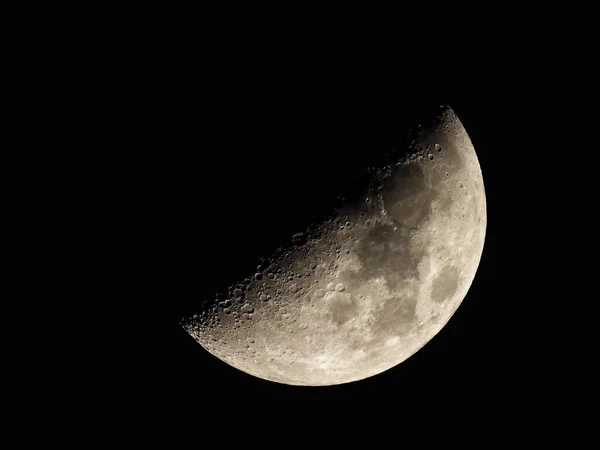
<point>362,290</point>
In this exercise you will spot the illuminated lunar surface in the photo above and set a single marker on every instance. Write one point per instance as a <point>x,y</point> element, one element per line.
<point>363,290</point>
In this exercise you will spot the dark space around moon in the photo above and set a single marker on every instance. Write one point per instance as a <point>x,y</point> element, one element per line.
<point>235,183</point>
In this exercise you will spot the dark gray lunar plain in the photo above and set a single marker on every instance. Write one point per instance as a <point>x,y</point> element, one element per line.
<point>365,289</point>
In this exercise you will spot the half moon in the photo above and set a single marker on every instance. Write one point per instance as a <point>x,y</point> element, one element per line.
<point>360,292</point>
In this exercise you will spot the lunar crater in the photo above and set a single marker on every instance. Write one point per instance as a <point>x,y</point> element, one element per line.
<point>341,307</point>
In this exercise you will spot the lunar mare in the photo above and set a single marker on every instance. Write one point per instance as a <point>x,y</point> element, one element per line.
<point>365,289</point>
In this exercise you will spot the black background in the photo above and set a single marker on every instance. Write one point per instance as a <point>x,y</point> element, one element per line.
<point>222,175</point>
